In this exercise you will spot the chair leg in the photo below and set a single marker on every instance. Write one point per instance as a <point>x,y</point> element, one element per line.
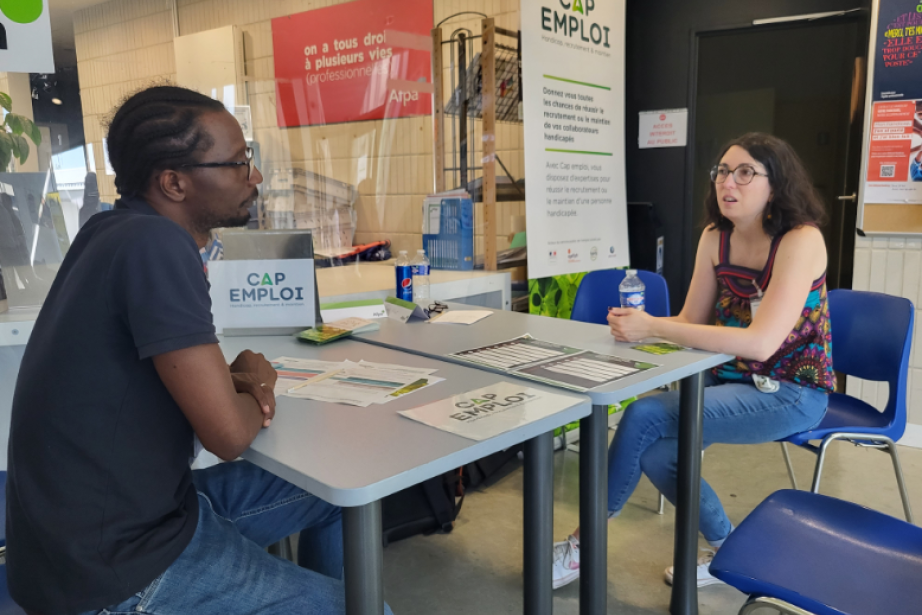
<point>787,461</point>
<point>900,481</point>
<point>761,602</point>
<point>662,504</point>
<point>820,458</point>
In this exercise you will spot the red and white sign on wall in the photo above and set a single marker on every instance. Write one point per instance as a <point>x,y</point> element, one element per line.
<point>362,60</point>
<point>664,128</point>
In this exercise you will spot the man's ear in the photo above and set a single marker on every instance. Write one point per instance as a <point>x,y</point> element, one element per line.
<point>172,184</point>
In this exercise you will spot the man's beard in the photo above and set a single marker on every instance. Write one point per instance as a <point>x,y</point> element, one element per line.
<point>211,221</point>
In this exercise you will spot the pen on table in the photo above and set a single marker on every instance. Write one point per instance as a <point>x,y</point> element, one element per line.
<point>323,376</point>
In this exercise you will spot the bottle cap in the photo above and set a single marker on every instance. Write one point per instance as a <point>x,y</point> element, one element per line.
<point>420,251</point>
<point>631,272</point>
<point>402,252</point>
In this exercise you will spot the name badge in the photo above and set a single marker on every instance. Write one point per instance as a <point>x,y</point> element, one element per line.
<point>754,303</point>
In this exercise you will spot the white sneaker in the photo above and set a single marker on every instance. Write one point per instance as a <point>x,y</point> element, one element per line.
<point>705,578</point>
<point>566,561</point>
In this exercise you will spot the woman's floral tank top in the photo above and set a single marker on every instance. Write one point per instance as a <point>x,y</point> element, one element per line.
<point>805,357</point>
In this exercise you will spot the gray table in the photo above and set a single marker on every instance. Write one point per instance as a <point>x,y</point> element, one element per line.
<point>353,457</point>
<point>687,366</point>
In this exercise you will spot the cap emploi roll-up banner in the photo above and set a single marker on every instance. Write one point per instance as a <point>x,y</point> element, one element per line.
<point>573,80</point>
<point>25,37</point>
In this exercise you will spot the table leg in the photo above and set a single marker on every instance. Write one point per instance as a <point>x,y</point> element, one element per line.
<point>363,559</point>
<point>684,585</point>
<point>593,490</point>
<point>539,524</point>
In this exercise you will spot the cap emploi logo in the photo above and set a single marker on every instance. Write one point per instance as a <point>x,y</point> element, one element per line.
<point>490,403</point>
<point>266,289</point>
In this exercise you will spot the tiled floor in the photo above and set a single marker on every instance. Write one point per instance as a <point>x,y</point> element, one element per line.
<point>477,568</point>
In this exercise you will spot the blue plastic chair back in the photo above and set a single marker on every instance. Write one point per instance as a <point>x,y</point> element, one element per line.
<point>599,290</point>
<point>871,339</point>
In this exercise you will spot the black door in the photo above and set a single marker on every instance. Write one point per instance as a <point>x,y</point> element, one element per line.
<point>803,82</point>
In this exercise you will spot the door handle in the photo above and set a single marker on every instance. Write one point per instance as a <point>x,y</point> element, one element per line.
<point>851,197</point>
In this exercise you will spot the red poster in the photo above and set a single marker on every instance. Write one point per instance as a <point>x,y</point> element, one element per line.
<point>891,141</point>
<point>362,60</point>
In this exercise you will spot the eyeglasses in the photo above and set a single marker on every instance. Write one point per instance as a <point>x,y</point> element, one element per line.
<point>437,308</point>
<point>742,175</point>
<point>248,163</point>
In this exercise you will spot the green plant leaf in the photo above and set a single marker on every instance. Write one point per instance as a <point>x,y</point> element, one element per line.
<point>5,101</point>
<point>23,146</point>
<point>29,129</point>
<point>36,135</point>
<point>15,123</point>
<point>6,150</point>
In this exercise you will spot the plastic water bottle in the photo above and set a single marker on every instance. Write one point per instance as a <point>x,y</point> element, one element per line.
<point>632,290</point>
<point>420,266</point>
<point>404,277</point>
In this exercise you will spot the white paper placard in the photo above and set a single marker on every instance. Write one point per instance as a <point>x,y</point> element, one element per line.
<point>664,128</point>
<point>573,80</point>
<point>490,411</point>
<point>262,294</point>
<point>26,30</point>
<point>398,309</point>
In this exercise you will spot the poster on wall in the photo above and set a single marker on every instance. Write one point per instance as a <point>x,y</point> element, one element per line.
<point>361,60</point>
<point>573,80</point>
<point>25,37</point>
<point>894,158</point>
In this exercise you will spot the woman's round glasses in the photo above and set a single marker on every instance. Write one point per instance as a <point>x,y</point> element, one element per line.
<point>742,175</point>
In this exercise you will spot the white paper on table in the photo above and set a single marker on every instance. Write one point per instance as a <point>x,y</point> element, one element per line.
<point>422,371</point>
<point>490,411</point>
<point>293,372</point>
<point>357,385</point>
<point>461,317</point>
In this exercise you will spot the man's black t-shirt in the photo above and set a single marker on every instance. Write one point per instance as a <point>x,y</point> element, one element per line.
<point>100,499</point>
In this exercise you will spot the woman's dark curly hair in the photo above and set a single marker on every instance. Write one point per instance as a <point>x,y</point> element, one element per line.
<point>794,199</point>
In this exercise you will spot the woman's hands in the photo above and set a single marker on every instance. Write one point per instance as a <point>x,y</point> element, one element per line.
<point>630,325</point>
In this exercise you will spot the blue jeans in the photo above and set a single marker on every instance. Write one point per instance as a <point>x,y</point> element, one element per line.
<point>734,413</point>
<point>225,569</point>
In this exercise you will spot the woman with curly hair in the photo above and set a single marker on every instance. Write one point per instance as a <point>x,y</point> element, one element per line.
<point>758,292</point>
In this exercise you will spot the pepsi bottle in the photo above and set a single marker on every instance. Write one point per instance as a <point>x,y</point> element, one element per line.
<point>404,277</point>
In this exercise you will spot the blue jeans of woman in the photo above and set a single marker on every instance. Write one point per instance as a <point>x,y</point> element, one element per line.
<point>225,569</point>
<point>734,413</point>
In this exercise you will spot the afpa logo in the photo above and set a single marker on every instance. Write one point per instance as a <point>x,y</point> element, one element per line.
<point>264,288</point>
<point>19,11</point>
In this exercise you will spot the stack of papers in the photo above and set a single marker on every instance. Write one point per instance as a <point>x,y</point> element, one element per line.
<point>321,334</point>
<point>562,366</point>
<point>355,384</point>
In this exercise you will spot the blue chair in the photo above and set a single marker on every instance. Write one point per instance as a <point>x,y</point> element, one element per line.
<point>803,553</point>
<point>599,290</point>
<point>871,337</point>
<point>7,606</point>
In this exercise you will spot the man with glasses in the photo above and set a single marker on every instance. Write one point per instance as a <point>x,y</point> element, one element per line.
<point>123,371</point>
